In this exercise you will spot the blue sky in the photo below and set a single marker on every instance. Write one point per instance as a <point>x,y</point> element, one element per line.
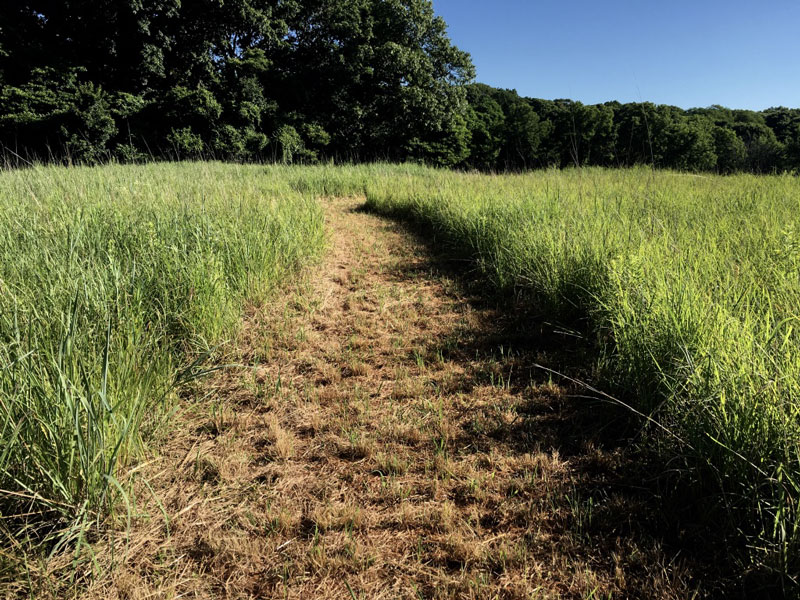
<point>738,54</point>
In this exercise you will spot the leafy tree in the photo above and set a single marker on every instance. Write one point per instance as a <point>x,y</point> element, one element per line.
<point>602,142</point>
<point>88,125</point>
<point>581,135</point>
<point>783,122</point>
<point>316,139</point>
<point>793,149</point>
<point>764,151</point>
<point>521,133</point>
<point>53,114</point>
<point>638,141</point>
<point>691,144</point>
<point>486,124</point>
<point>380,77</point>
<point>522,137</point>
<point>730,150</point>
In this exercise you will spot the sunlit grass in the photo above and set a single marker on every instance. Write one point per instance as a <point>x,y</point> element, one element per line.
<point>689,285</point>
<point>115,282</point>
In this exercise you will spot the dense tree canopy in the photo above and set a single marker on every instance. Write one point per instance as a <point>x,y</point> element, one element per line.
<point>512,132</point>
<point>243,79</point>
<point>305,80</point>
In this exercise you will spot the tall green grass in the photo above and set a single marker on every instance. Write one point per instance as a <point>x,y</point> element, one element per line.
<point>114,281</point>
<point>689,285</point>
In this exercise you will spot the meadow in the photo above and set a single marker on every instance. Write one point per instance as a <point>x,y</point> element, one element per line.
<point>688,285</point>
<point>119,283</point>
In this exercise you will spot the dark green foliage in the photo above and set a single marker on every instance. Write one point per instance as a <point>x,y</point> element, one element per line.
<point>522,134</point>
<point>516,133</point>
<point>349,79</point>
<point>89,125</point>
<point>185,142</point>
<point>793,148</point>
<point>730,150</point>
<point>55,111</point>
<point>485,121</point>
<point>310,80</point>
<point>289,144</point>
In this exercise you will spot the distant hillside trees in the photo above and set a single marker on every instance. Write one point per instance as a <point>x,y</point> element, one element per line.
<point>512,132</point>
<point>309,80</point>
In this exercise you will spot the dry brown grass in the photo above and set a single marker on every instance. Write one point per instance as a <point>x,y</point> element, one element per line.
<point>380,446</point>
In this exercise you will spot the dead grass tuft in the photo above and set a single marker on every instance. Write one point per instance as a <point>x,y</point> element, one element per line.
<point>282,442</point>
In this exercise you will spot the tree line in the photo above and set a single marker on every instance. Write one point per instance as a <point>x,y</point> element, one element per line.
<point>511,132</point>
<point>309,80</point>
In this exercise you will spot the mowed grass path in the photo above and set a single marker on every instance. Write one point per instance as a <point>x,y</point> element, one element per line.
<point>388,439</point>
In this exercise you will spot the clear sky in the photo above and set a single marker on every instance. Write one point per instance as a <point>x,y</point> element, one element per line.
<point>735,53</point>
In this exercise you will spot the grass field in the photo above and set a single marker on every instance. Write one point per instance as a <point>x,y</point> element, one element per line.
<point>118,283</point>
<point>690,287</point>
